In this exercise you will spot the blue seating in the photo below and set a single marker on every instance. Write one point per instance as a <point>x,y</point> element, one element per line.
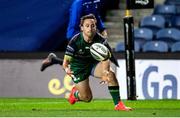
<point>155,46</point>
<point>142,35</point>
<point>153,22</point>
<point>169,35</point>
<point>120,47</point>
<point>174,2</point>
<point>175,47</point>
<point>176,22</point>
<point>178,10</point>
<point>167,11</point>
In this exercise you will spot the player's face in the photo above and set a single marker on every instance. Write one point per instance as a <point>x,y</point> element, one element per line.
<point>89,28</point>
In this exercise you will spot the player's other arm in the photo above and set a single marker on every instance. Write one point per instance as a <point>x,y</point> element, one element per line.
<point>69,54</point>
<point>66,64</point>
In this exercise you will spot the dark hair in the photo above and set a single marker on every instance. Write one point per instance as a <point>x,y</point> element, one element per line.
<point>89,16</point>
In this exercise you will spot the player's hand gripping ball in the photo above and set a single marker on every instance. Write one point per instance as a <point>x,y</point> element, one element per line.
<point>100,52</point>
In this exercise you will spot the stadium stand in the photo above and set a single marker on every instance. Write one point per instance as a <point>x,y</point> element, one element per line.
<point>169,35</point>
<point>155,46</point>
<point>175,47</point>
<point>167,11</point>
<point>174,2</point>
<point>176,22</point>
<point>153,22</point>
<point>141,35</point>
<point>120,47</point>
<point>178,10</point>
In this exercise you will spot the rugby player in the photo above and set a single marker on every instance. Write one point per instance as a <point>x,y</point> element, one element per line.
<point>79,64</point>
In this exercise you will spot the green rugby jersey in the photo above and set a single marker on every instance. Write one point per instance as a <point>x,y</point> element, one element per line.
<point>79,50</point>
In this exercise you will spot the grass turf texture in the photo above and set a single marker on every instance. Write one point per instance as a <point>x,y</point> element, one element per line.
<point>52,107</point>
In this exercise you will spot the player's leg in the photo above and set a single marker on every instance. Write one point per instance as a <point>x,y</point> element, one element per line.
<point>81,92</point>
<point>113,85</point>
<point>85,93</point>
<point>50,60</point>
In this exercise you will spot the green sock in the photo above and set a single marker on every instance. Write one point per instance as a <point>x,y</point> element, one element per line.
<point>76,94</point>
<point>114,91</point>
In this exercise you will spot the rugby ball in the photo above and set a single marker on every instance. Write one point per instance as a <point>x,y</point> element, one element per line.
<point>99,52</point>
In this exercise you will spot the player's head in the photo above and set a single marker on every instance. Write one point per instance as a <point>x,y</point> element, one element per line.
<point>88,25</point>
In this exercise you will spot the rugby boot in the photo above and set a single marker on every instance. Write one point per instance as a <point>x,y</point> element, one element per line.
<point>121,107</point>
<point>72,99</point>
<point>48,61</point>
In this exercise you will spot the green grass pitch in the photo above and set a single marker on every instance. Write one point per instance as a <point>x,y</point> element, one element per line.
<point>53,107</point>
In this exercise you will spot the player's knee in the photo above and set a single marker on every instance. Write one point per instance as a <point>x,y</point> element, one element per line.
<point>86,98</point>
<point>89,99</point>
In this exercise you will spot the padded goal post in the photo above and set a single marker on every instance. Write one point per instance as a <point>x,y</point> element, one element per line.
<point>129,43</point>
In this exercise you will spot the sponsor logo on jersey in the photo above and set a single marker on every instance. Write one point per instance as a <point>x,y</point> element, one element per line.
<point>80,51</point>
<point>87,48</point>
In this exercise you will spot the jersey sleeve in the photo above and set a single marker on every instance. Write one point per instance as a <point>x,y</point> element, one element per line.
<point>71,47</point>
